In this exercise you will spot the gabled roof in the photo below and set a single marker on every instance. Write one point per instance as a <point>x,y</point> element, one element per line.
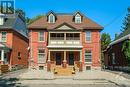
<point>64,18</point>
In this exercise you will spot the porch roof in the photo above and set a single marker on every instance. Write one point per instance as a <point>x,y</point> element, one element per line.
<point>57,46</point>
<point>3,46</point>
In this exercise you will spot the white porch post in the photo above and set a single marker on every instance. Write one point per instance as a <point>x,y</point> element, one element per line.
<point>64,61</point>
<point>81,65</point>
<point>80,56</point>
<point>64,56</point>
<point>2,55</point>
<point>48,56</point>
<point>49,62</point>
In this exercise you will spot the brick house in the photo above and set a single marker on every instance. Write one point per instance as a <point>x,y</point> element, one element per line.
<point>114,56</point>
<point>64,40</point>
<point>13,40</point>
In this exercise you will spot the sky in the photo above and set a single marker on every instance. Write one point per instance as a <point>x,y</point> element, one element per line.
<point>108,13</point>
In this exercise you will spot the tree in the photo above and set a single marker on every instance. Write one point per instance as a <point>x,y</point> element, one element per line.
<point>29,21</point>
<point>126,23</point>
<point>105,41</point>
<point>126,50</point>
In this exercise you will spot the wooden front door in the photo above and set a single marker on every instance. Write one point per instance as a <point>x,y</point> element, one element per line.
<point>71,59</point>
<point>58,58</point>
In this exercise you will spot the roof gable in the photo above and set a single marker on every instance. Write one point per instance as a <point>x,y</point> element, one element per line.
<point>64,26</point>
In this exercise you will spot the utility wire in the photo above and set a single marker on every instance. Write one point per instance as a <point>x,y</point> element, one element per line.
<point>115,19</point>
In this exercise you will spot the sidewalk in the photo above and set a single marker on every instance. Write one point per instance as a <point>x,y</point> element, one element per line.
<point>37,75</point>
<point>100,75</point>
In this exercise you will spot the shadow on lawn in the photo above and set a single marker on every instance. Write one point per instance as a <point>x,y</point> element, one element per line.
<point>11,82</point>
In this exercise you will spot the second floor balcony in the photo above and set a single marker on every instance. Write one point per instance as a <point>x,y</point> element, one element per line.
<point>64,39</point>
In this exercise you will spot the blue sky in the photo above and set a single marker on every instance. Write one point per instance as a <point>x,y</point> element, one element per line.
<point>108,13</point>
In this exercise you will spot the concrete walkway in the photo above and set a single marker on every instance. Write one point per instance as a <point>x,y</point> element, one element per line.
<point>37,75</point>
<point>100,75</point>
<point>85,77</point>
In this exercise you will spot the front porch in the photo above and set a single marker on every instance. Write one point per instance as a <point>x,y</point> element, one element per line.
<point>68,61</point>
<point>4,54</point>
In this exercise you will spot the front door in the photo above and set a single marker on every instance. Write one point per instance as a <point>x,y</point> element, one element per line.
<point>58,58</point>
<point>71,59</point>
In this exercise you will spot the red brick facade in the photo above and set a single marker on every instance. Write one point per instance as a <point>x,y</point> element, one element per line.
<point>16,43</point>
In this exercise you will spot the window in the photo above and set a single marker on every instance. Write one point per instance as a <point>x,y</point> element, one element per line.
<point>78,18</point>
<point>113,58</point>
<point>41,55</point>
<point>88,56</point>
<point>19,55</point>
<point>41,36</point>
<point>51,18</point>
<point>88,36</point>
<point>56,36</point>
<point>3,36</point>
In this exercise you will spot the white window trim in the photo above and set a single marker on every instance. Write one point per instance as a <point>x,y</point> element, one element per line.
<point>5,38</point>
<point>39,36</point>
<point>49,17</point>
<point>78,18</point>
<point>91,58</point>
<point>90,37</point>
<point>41,53</point>
<point>113,58</point>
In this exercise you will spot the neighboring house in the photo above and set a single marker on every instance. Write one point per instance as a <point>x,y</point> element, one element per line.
<point>114,56</point>
<point>60,39</point>
<point>13,41</point>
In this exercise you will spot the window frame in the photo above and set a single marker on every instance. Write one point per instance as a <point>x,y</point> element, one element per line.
<point>4,37</point>
<point>88,58</point>
<point>90,36</point>
<point>43,54</point>
<point>113,58</point>
<point>53,18</point>
<point>39,36</point>
<point>78,19</point>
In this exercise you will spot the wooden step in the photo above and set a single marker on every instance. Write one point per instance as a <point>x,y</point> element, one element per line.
<point>64,71</point>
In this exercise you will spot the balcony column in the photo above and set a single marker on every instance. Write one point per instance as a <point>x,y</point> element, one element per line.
<point>81,62</point>
<point>2,56</point>
<point>64,61</point>
<point>48,62</point>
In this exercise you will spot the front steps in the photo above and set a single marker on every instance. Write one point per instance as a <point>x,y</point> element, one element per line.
<point>60,71</point>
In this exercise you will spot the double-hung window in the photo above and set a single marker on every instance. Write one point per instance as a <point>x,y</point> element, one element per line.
<point>51,18</point>
<point>41,55</point>
<point>88,56</point>
<point>3,36</point>
<point>88,36</point>
<point>113,58</point>
<point>41,36</point>
<point>77,18</point>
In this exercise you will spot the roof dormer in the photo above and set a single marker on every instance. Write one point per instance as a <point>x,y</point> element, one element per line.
<point>78,18</point>
<point>2,19</point>
<point>51,17</point>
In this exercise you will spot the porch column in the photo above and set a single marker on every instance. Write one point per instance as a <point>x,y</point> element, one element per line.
<point>80,62</point>
<point>48,62</point>
<point>64,61</point>
<point>2,56</point>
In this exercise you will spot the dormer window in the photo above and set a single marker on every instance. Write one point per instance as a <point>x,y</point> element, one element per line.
<point>77,18</point>
<point>51,18</point>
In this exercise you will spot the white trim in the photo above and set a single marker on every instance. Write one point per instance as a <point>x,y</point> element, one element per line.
<point>91,57</point>
<point>90,37</point>
<point>78,16</point>
<point>119,40</point>
<point>58,46</point>
<point>39,36</point>
<point>49,21</point>
<point>5,38</point>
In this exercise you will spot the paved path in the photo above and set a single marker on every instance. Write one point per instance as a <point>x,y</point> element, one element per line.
<point>84,79</point>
